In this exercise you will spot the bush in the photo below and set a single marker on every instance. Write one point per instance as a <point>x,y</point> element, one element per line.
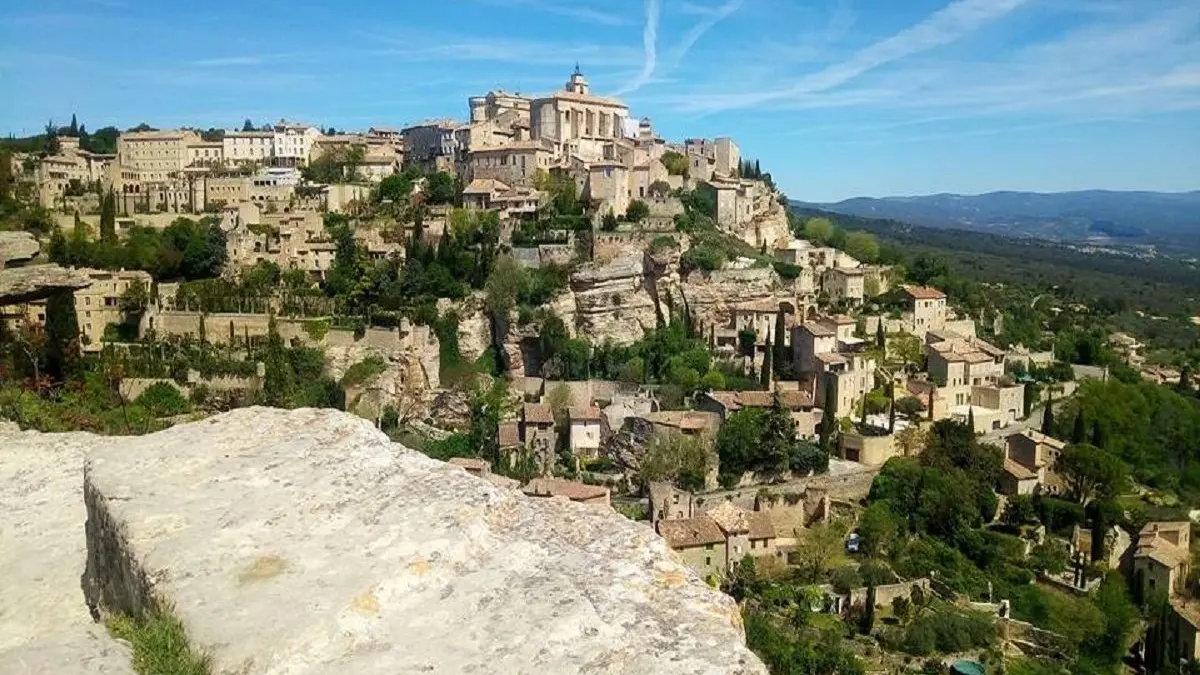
<point>363,371</point>
<point>701,258</point>
<point>163,400</point>
<point>787,270</point>
<point>637,211</point>
<point>948,632</point>
<point>844,579</point>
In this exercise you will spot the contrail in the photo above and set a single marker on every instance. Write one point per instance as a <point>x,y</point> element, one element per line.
<point>650,45</point>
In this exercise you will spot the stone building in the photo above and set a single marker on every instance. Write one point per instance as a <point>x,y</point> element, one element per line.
<point>585,431</point>
<point>96,306</point>
<point>1032,452</point>
<point>844,283</point>
<point>432,145</point>
<point>576,122</point>
<point>490,194</point>
<point>156,156</point>
<point>515,164</point>
<point>248,147</point>
<point>72,167</point>
<point>710,158</point>
<point>714,542</point>
<point>291,143</point>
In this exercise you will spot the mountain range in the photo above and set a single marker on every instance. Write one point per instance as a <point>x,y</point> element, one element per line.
<point>1167,220</point>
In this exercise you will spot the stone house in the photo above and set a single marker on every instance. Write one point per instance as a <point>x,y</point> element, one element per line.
<point>96,305</point>
<point>868,450</point>
<point>1036,453</point>
<point>692,423</point>
<point>585,431</point>
<point>798,403</point>
<point>844,283</point>
<point>515,164</point>
<point>576,492</point>
<point>1017,479</point>
<point>928,308</point>
<point>155,156</point>
<point>715,541</point>
<point>484,194</point>
<point>537,427</point>
<point>1162,558</point>
<point>248,147</point>
<point>55,173</point>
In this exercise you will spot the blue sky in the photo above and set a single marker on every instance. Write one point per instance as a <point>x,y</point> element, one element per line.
<point>837,98</point>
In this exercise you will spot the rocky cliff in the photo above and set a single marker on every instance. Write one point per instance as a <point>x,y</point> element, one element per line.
<point>614,301</point>
<point>304,542</point>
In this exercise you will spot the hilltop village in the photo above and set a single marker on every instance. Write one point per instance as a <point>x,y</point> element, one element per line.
<point>552,297</point>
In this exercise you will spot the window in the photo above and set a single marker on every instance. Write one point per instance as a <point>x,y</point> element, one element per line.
<point>708,547</point>
<point>708,563</point>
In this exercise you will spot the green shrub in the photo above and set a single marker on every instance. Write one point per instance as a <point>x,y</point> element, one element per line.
<point>948,632</point>
<point>363,371</point>
<point>163,400</point>
<point>317,329</point>
<point>787,270</point>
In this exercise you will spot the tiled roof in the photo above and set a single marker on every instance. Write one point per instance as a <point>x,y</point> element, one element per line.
<point>471,463</point>
<point>485,186</point>
<point>793,400</point>
<point>510,434</point>
<point>761,526</point>
<point>691,532</point>
<point>585,414</point>
<point>924,293</point>
<point>1018,471</point>
<point>1039,437</point>
<point>557,487</point>
<point>686,420</point>
<point>820,328</point>
<point>731,519</point>
<point>537,413</point>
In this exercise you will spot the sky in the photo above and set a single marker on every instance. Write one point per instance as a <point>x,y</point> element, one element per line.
<point>836,98</point>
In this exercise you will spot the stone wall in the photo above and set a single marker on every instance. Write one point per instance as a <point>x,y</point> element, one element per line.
<point>884,595</point>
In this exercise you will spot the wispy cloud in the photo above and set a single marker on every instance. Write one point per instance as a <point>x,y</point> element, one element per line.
<point>711,18</point>
<point>649,49</point>
<point>570,10</point>
<point>247,60</point>
<point>444,47</point>
<point>947,25</point>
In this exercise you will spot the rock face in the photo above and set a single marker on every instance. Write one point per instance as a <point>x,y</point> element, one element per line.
<point>16,247</point>
<point>45,628</point>
<point>614,302</point>
<point>407,383</point>
<point>34,282</point>
<point>711,296</point>
<point>306,543</point>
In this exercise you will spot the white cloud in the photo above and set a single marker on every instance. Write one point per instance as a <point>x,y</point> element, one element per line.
<point>649,49</point>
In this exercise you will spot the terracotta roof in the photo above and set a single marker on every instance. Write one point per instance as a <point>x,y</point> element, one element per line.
<point>820,328</point>
<point>585,414</point>
<point>847,271</point>
<point>793,400</point>
<point>471,463</point>
<point>731,519</point>
<point>686,420</point>
<point>830,357</point>
<point>1188,611</point>
<point>557,487</point>
<point>844,320</point>
<point>761,526</point>
<point>537,413</point>
<point>1018,471</point>
<point>485,186</point>
<point>924,293</point>
<point>765,306</point>
<point>1165,553</point>
<point>691,532</point>
<point>510,435</point>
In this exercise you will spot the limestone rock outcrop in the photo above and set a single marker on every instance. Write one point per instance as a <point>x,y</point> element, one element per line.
<point>710,296</point>
<point>17,247</point>
<point>614,301</point>
<point>45,627</point>
<point>304,542</point>
<point>34,282</point>
<point>408,382</point>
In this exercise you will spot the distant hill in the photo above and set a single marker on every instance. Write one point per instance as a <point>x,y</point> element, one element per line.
<point>1170,220</point>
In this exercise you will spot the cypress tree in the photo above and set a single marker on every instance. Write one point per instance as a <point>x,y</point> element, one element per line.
<point>757,169</point>
<point>277,380</point>
<point>880,338</point>
<point>62,335</point>
<point>971,418</point>
<point>1185,380</point>
<point>57,249</point>
<point>765,378</point>
<point>892,408</point>
<point>74,128</point>
<point>1098,438</point>
<point>932,397</point>
<point>1079,433</point>
<point>780,357</point>
<point>1048,416</point>
<point>203,333</point>
<point>108,218</point>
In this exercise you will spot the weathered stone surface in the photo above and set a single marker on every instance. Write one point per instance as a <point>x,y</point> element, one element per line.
<point>17,247</point>
<point>711,296</point>
<point>45,627</point>
<point>305,543</point>
<point>34,282</point>
<point>407,383</point>
<point>474,330</point>
<point>613,301</point>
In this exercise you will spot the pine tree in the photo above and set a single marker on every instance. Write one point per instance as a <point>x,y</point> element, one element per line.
<point>778,439</point>
<point>62,335</point>
<point>247,125</point>
<point>108,218</point>
<point>780,358</point>
<point>1048,417</point>
<point>1079,433</point>
<point>765,378</point>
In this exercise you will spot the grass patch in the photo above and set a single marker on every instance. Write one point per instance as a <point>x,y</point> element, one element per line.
<point>160,645</point>
<point>363,371</point>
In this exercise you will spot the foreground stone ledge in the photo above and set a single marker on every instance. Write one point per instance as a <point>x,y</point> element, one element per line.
<point>304,542</point>
<point>45,627</point>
